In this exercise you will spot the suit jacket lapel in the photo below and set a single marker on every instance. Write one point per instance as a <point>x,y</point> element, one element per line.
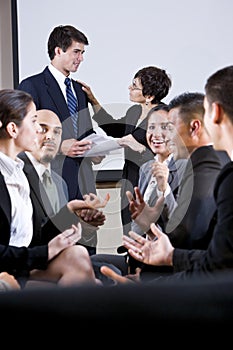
<point>5,202</point>
<point>36,187</point>
<point>56,95</point>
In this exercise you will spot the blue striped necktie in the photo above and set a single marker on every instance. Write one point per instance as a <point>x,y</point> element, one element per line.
<point>72,105</point>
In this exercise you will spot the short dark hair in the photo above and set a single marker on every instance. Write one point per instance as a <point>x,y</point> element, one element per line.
<point>219,89</point>
<point>159,107</point>
<point>190,105</point>
<point>63,36</point>
<point>155,82</point>
<point>13,107</point>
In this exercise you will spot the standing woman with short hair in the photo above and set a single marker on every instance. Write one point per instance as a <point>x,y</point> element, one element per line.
<point>149,87</point>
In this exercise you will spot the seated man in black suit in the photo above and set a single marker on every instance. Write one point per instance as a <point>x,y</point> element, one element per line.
<point>35,164</point>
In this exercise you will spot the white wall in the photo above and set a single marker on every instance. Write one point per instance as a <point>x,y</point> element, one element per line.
<point>189,39</point>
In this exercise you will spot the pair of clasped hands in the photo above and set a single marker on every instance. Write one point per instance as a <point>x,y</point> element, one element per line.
<point>88,211</point>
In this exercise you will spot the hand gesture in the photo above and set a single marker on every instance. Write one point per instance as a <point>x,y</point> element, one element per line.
<point>86,88</point>
<point>90,201</point>
<point>108,272</point>
<point>64,240</point>
<point>93,201</point>
<point>74,148</point>
<point>97,159</point>
<point>157,252</point>
<point>161,172</point>
<point>10,280</point>
<point>141,212</point>
<point>131,142</point>
<point>93,217</point>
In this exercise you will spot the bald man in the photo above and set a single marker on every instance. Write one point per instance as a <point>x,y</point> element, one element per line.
<point>36,162</point>
<point>49,139</point>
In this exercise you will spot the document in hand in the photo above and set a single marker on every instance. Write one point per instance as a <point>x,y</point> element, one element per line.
<point>101,145</point>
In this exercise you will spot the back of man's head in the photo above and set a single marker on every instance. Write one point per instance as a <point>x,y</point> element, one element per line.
<point>219,89</point>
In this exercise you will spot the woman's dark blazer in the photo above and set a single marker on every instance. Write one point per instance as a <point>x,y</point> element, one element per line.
<point>20,260</point>
<point>132,160</point>
<point>15,260</point>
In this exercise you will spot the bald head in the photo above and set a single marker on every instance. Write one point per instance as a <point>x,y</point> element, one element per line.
<point>45,116</point>
<point>49,138</point>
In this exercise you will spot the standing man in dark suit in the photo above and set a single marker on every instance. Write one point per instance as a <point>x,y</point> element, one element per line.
<point>66,46</point>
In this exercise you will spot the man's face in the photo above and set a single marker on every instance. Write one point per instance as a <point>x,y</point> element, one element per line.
<point>178,135</point>
<point>49,139</point>
<point>70,60</point>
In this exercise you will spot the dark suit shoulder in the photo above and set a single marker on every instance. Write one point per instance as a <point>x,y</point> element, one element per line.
<point>35,78</point>
<point>225,173</point>
<point>224,157</point>
<point>206,155</point>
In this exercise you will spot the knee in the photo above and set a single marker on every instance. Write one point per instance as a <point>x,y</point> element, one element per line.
<point>79,259</point>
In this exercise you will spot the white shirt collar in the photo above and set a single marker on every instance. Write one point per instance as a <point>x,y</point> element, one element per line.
<point>166,161</point>
<point>8,165</point>
<point>39,167</point>
<point>60,78</point>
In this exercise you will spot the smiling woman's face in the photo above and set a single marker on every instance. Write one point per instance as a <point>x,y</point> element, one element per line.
<point>156,132</point>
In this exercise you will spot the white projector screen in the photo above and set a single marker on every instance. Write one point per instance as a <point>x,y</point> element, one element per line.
<point>190,40</point>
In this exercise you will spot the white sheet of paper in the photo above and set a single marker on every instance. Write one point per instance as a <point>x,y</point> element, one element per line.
<point>101,145</point>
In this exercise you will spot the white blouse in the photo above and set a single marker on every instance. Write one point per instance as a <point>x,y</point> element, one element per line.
<point>21,206</point>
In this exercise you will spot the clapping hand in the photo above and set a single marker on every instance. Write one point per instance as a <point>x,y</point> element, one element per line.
<point>141,212</point>
<point>93,217</point>
<point>152,252</point>
<point>93,201</point>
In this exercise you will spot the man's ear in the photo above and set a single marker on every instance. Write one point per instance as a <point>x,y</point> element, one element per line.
<point>195,125</point>
<point>58,51</point>
<point>217,113</point>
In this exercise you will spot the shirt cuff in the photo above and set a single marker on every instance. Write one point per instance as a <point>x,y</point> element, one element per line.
<point>166,193</point>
